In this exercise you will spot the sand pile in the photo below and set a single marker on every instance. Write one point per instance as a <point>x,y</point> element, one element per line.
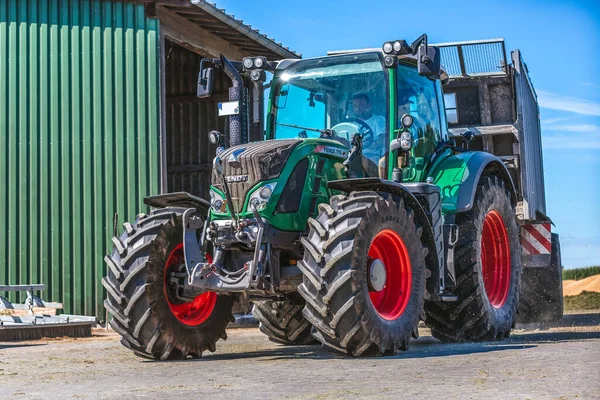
<point>589,284</point>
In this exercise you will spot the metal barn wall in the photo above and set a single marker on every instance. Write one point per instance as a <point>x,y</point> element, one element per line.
<point>188,121</point>
<point>79,139</point>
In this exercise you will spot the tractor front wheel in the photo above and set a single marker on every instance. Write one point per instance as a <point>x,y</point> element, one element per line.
<point>151,319</point>
<point>363,274</point>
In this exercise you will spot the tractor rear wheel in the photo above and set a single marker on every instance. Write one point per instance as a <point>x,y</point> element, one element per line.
<point>150,318</point>
<point>283,322</point>
<point>363,274</point>
<point>488,271</point>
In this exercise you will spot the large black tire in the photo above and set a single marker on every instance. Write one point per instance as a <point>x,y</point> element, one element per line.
<point>283,322</point>
<point>542,290</point>
<point>136,294</point>
<point>473,317</point>
<point>334,268</point>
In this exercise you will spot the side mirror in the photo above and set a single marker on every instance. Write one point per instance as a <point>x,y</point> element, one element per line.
<point>428,60</point>
<point>205,83</point>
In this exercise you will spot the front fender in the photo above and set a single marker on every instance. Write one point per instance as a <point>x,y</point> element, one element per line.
<point>458,175</point>
<point>178,199</point>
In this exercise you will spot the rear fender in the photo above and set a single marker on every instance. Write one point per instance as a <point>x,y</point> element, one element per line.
<point>458,176</point>
<point>397,189</point>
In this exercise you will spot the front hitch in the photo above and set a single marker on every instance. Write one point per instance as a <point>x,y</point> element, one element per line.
<point>204,275</point>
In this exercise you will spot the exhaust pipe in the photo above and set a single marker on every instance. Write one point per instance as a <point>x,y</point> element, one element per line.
<point>236,93</point>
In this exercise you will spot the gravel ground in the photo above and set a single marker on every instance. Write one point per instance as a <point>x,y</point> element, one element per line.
<point>553,363</point>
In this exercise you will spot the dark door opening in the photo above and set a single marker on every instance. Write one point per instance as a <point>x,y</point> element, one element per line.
<point>188,120</point>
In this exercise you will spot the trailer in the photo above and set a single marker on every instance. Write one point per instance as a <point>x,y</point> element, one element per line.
<point>493,98</point>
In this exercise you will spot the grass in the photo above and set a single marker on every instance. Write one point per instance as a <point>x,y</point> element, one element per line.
<point>580,273</point>
<point>583,301</point>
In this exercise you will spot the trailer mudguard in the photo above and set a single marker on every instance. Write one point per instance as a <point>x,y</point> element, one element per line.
<point>457,176</point>
<point>397,189</point>
<point>178,199</point>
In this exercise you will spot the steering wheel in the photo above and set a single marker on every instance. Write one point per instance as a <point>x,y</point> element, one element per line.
<point>367,135</point>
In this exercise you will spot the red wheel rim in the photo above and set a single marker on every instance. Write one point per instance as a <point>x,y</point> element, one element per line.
<point>495,259</point>
<point>393,299</point>
<point>195,312</point>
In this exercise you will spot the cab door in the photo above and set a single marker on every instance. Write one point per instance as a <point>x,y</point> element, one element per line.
<point>419,96</point>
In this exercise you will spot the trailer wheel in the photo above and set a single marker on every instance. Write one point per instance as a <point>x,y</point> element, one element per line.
<point>152,322</point>
<point>488,271</point>
<point>283,322</point>
<point>363,274</point>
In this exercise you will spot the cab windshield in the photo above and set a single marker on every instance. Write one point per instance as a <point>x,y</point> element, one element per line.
<point>346,94</point>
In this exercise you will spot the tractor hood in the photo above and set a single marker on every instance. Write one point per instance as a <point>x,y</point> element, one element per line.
<point>296,172</point>
<point>247,164</point>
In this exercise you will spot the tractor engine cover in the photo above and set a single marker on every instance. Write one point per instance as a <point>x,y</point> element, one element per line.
<point>247,164</point>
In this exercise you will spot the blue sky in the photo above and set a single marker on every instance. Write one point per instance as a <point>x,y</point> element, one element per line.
<point>559,40</point>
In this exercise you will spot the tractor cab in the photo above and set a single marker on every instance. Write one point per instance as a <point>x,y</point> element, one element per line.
<point>334,98</point>
<point>352,93</point>
<point>355,106</point>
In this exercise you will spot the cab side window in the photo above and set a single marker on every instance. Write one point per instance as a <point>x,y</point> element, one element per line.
<point>417,97</point>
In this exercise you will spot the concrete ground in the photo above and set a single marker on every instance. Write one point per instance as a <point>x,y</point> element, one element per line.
<point>556,363</point>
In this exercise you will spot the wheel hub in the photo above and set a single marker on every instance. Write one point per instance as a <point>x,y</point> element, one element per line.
<point>377,275</point>
<point>192,313</point>
<point>389,275</point>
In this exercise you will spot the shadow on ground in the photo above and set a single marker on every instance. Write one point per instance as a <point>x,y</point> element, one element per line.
<point>13,345</point>
<point>568,320</point>
<point>551,337</point>
<point>425,347</point>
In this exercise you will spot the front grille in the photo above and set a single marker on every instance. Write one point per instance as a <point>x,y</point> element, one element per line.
<point>260,161</point>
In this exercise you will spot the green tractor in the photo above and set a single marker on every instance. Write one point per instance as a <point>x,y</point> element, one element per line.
<point>356,217</point>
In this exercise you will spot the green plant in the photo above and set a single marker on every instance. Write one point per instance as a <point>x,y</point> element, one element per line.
<point>580,273</point>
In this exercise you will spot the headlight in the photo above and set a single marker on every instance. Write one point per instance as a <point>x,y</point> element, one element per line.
<point>259,62</point>
<point>406,141</point>
<point>390,61</point>
<point>261,196</point>
<point>388,47</point>
<point>248,62</point>
<point>217,202</point>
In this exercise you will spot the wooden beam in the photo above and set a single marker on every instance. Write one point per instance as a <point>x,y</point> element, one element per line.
<point>203,41</point>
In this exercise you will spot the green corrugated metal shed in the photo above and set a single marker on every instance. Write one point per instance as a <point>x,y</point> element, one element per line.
<point>83,97</point>
<point>79,139</point>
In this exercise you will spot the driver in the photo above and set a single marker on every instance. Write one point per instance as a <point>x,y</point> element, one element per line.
<point>361,105</point>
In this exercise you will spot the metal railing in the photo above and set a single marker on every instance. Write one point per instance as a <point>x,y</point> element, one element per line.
<point>474,58</point>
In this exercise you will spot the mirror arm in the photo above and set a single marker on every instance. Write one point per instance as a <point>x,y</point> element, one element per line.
<point>415,45</point>
<point>356,148</point>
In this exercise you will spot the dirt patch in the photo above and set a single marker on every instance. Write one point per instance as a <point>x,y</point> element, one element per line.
<point>589,284</point>
<point>583,301</point>
<point>530,364</point>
